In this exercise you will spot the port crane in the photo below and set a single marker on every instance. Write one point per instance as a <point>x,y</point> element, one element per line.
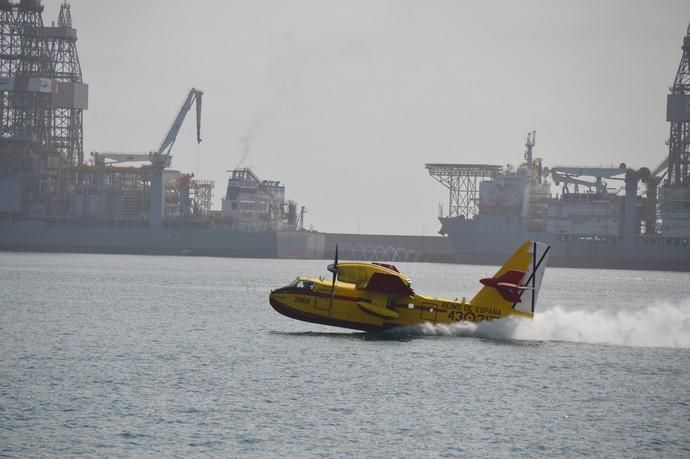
<point>161,158</point>
<point>163,153</point>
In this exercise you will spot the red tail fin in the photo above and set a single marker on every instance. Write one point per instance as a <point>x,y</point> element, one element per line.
<point>508,285</point>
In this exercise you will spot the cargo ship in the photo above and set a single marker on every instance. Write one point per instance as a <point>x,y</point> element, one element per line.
<point>255,220</point>
<point>54,199</point>
<point>592,226</point>
<point>594,217</point>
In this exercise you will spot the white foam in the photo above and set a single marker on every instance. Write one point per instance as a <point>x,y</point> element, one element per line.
<point>662,324</point>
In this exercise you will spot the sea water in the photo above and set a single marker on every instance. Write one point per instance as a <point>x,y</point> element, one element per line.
<point>115,355</point>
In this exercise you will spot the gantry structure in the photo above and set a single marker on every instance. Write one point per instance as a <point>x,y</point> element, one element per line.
<point>67,118</point>
<point>42,98</point>
<point>462,181</point>
<point>678,114</point>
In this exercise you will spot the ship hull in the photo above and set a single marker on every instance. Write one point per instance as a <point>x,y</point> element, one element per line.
<point>488,240</point>
<point>41,235</point>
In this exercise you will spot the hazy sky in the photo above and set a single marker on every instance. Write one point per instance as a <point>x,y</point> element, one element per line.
<point>345,101</point>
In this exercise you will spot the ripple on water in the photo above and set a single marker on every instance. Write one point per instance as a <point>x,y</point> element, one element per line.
<point>135,368</point>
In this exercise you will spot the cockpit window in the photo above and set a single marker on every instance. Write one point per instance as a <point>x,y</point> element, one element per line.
<point>294,283</point>
<point>302,284</point>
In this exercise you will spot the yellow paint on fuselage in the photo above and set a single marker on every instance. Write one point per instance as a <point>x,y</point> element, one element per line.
<point>356,301</point>
<point>315,303</point>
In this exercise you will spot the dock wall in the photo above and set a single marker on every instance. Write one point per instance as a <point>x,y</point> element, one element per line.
<point>384,247</point>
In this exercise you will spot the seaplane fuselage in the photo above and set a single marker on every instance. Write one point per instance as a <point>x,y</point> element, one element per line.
<point>376,297</point>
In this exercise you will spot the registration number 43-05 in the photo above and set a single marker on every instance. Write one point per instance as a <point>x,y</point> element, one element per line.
<point>469,316</point>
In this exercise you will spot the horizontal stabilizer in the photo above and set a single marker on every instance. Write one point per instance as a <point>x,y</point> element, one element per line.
<point>508,285</point>
<point>516,284</point>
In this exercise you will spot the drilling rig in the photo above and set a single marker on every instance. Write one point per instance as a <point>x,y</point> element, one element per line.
<point>674,204</point>
<point>42,98</point>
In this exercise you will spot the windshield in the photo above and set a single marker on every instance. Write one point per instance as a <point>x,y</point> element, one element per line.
<point>302,284</point>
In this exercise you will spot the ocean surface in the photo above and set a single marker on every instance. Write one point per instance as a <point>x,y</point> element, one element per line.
<point>145,356</point>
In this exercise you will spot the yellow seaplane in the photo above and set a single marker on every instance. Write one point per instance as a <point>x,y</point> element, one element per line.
<point>377,297</point>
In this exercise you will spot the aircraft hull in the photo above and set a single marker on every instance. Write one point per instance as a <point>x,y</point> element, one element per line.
<point>347,309</point>
<point>376,297</point>
<point>304,316</point>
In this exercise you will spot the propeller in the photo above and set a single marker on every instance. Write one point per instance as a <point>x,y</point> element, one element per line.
<point>334,269</point>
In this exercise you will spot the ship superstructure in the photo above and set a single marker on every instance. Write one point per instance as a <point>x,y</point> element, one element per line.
<point>612,216</point>
<point>591,216</point>
<point>252,204</point>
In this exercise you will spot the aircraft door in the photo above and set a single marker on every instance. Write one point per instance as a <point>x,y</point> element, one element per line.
<point>323,301</point>
<point>428,312</point>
